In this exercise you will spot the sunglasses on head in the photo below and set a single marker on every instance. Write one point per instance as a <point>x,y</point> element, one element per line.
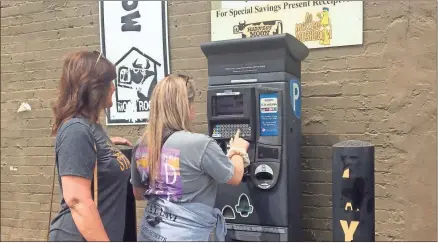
<point>185,77</point>
<point>98,58</point>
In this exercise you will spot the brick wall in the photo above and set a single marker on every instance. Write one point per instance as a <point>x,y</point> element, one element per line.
<point>383,92</point>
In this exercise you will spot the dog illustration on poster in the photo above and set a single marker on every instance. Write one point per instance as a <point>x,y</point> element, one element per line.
<point>136,79</point>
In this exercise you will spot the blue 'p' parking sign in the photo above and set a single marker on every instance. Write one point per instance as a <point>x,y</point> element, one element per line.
<point>295,95</point>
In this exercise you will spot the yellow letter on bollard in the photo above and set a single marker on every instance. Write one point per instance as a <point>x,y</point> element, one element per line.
<point>349,231</point>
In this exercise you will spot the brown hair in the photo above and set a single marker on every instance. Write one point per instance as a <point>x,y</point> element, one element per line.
<point>169,110</point>
<point>83,90</point>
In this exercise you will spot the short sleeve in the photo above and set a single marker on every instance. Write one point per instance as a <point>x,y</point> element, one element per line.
<point>216,164</point>
<point>136,178</point>
<point>76,154</point>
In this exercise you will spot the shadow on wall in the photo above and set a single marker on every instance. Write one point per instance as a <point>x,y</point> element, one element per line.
<point>316,187</point>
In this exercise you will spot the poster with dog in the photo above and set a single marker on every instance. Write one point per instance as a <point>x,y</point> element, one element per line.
<point>134,36</point>
<point>317,24</point>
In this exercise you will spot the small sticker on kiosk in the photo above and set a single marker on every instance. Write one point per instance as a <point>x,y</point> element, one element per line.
<point>269,114</point>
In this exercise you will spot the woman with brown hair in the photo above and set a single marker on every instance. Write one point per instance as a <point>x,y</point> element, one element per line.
<point>178,170</point>
<point>84,150</point>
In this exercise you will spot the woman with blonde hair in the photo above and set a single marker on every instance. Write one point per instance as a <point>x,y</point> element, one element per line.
<point>178,170</point>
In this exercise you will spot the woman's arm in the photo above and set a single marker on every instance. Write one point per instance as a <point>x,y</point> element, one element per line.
<point>237,161</point>
<point>77,195</point>
<point>220,167</point>
<point>76,158</point>
<point>217,165</point>
<point>138,193</point>
<point>237,143</point>
<point>138,179</point>
<point>120,141</point>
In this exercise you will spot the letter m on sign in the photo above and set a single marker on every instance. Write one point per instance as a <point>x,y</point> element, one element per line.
<point>128,23</point>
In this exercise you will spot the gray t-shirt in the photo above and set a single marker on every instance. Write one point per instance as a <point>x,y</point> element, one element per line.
<point>192,165</point>
<point>75,156</point>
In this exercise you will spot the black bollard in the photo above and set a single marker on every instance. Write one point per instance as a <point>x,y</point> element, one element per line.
<point>353,191</point>
<point>130,234</point>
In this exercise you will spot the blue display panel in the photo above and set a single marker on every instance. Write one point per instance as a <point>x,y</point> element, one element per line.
<point>269,114</point>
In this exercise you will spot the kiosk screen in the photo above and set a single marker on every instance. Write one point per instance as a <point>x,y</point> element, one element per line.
<point>228,105</point>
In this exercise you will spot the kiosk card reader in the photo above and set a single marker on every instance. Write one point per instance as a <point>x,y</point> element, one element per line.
<point>254,86</point>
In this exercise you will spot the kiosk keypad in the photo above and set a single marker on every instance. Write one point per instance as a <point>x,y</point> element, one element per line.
<point>229,130</point>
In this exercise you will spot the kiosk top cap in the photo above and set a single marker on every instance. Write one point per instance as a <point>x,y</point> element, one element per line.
<point>296,49</point>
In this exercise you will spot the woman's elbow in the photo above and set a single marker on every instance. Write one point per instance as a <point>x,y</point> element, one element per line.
<point>76,191</point>
<point>234,181</point>
<point>236,178</point>
<point>73,201</point>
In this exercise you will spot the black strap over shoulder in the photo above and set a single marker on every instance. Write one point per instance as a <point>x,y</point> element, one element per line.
<point>166,135</point>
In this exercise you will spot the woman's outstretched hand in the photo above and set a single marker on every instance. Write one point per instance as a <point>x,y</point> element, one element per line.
<point>238,142</point>
<point>120,141</point>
